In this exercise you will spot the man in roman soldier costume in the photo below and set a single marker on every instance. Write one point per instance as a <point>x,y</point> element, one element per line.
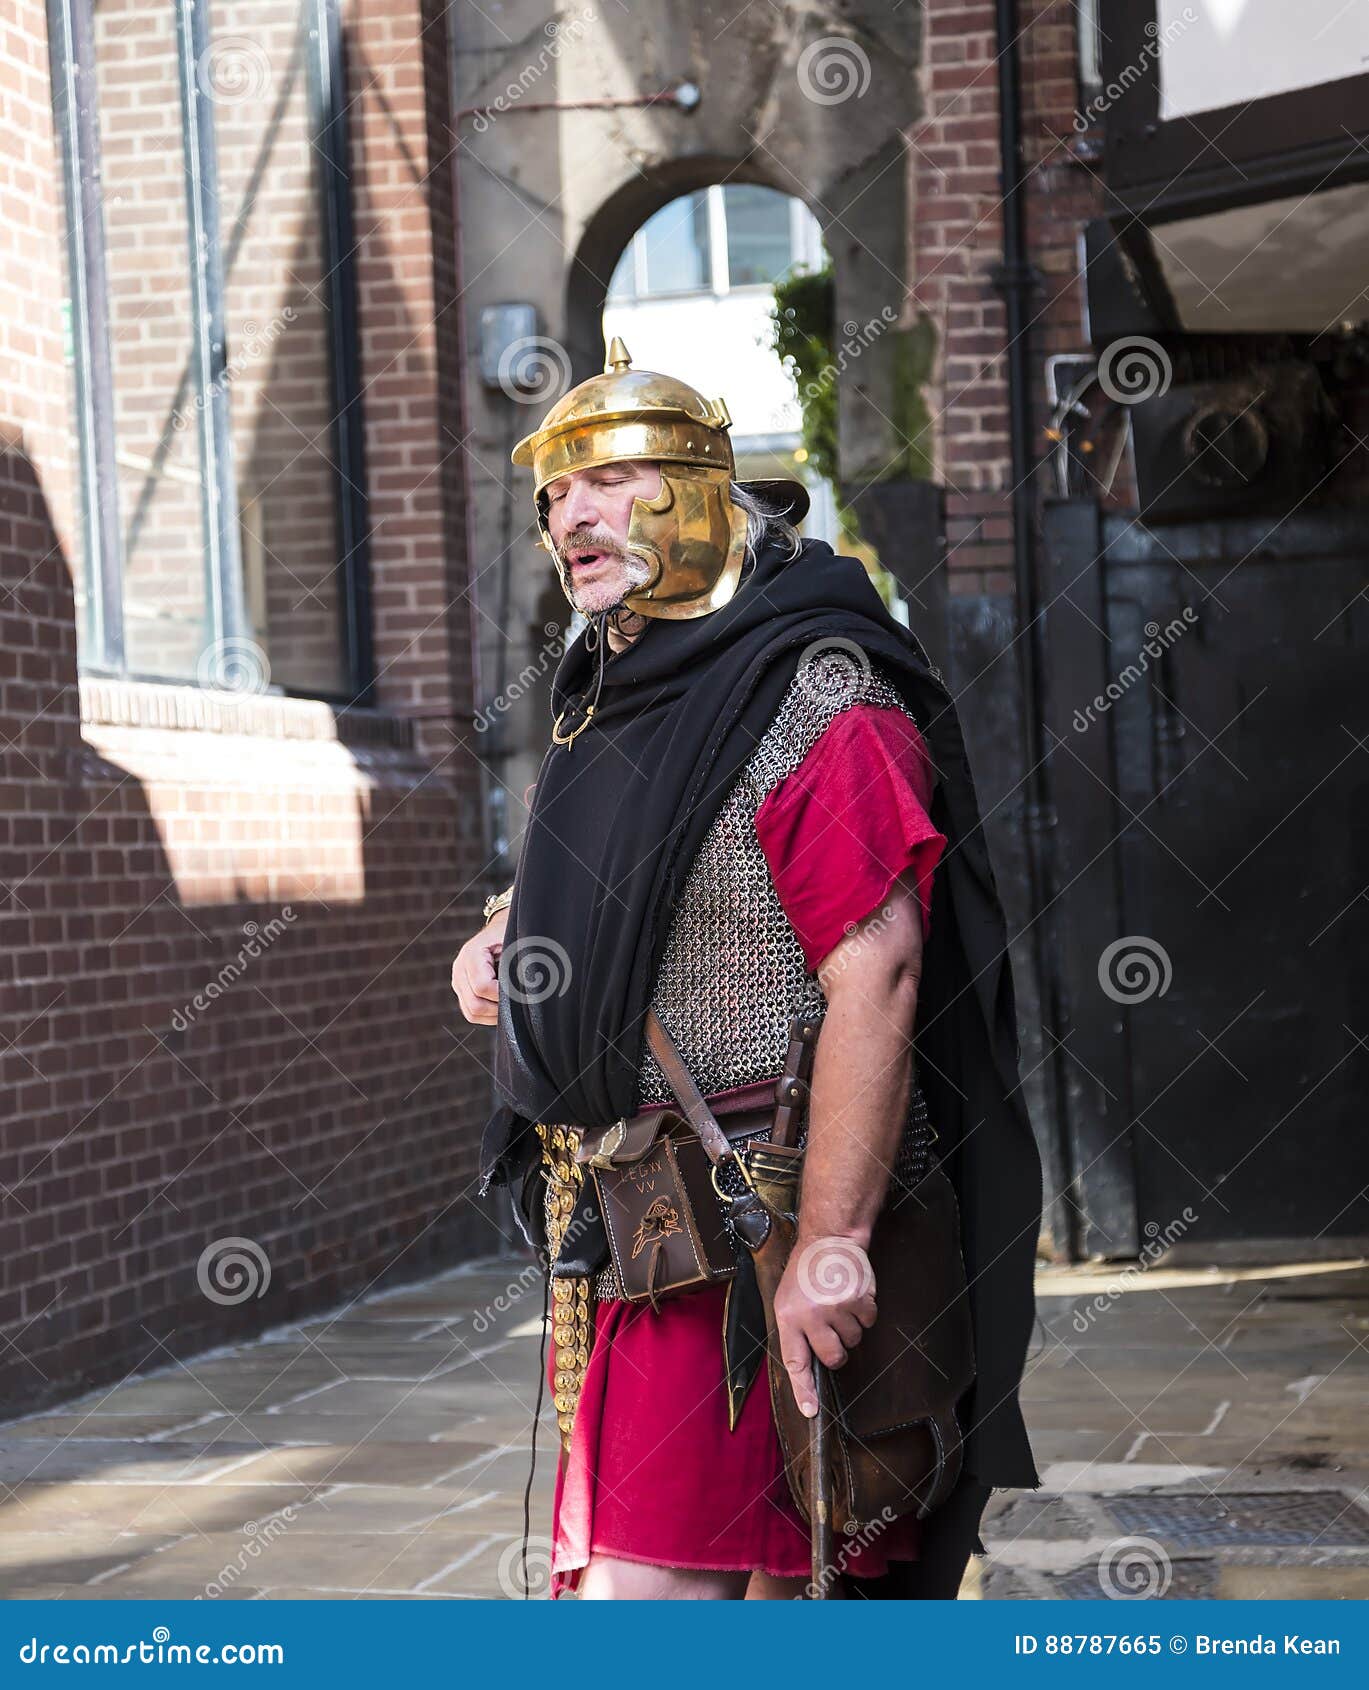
<point>755,824</point>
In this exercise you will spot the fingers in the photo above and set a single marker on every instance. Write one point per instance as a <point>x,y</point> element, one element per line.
<point>475,981</point>
<point>798,1364</point>
<point>826,1341</point>
<point>849,1331</point>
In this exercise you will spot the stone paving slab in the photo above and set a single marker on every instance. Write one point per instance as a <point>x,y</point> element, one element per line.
<point>383,1452</point>
<point>171,1510</point>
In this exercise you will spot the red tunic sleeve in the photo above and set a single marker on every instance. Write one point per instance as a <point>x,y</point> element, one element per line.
<point>849,820</point>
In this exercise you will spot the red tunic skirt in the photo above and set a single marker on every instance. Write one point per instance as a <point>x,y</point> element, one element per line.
<point>655,1474</point>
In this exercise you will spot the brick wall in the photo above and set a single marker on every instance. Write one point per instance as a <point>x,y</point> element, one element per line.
<point>226,925</point>
<point>404,167</point>
<point>956,233</point>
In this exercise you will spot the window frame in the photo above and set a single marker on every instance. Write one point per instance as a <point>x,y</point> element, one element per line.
<point>75,96</point>
<point>805,242</point>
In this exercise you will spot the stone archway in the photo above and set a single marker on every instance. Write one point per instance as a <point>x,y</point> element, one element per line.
<point>813,100</point>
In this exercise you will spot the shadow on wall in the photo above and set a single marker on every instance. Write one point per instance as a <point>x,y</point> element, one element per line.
<point>288,1076</point>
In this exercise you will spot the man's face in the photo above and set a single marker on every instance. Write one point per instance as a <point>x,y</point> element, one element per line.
<point>587,515</point>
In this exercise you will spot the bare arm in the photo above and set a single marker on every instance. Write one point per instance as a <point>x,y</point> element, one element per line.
<point>862,1078</point>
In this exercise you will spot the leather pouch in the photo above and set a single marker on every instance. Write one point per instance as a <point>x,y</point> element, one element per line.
<point>665,1224</point>
<point>899,1446</point>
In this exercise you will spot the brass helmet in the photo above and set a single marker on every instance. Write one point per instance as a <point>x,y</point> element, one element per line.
<point>692,533</point>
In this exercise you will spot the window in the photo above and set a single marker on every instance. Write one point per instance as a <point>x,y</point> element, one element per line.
<point>211,305</point>
<point>1088,37</point>
<point>676,246</point>
<point>724,237</point>
<point>760,245</point>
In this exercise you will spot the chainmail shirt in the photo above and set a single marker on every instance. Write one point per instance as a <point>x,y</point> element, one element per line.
<point>733,973</point>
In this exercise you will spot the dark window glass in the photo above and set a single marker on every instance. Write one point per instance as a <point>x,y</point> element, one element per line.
<point>677,249</point>
<point>151,337</point>
<point>276,310</point>
<point>759,245</point>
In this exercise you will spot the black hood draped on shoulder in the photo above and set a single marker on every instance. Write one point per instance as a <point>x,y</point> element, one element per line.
<point>617,818</point>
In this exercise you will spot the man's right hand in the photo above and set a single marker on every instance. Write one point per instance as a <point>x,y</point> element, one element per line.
<point>475,973</point>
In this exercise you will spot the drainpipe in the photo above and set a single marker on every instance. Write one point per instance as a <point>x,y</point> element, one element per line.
<point>1016,281</point>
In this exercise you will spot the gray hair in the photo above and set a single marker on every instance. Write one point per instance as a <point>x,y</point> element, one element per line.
<point>764,523</point>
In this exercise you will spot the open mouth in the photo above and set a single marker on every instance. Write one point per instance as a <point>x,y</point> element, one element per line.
<point>586,557</point>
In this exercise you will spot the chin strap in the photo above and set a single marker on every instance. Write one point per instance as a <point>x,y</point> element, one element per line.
<point>596,639</point>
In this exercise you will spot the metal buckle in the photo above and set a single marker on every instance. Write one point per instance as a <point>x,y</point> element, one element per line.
<point>742,1169</point>
<point>608,1144</point>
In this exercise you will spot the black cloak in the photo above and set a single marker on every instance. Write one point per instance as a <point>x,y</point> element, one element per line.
<point>616,821</point>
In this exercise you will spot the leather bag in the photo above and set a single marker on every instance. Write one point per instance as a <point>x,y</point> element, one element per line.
<point>895,1444</point>
<point>666,1226</point>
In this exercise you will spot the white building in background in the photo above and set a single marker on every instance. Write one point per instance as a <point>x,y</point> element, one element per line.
<point>692,296</point>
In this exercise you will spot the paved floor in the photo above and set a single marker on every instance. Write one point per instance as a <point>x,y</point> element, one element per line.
<point>1198,1433</point>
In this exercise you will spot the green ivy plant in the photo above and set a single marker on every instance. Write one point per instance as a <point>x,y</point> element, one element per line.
<point>803,324</point>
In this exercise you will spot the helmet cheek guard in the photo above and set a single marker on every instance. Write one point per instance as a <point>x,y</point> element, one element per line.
<point>692,534</point>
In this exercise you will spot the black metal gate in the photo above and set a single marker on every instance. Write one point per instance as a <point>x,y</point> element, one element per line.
<point>1208,723</point>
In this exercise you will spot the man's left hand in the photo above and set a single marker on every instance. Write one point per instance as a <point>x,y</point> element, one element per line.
<point>823,1303</point>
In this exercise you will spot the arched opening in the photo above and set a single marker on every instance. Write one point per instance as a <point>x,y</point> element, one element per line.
<point>690,285</point>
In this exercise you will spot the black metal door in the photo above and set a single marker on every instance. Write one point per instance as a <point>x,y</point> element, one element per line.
<point>1208,717</point>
